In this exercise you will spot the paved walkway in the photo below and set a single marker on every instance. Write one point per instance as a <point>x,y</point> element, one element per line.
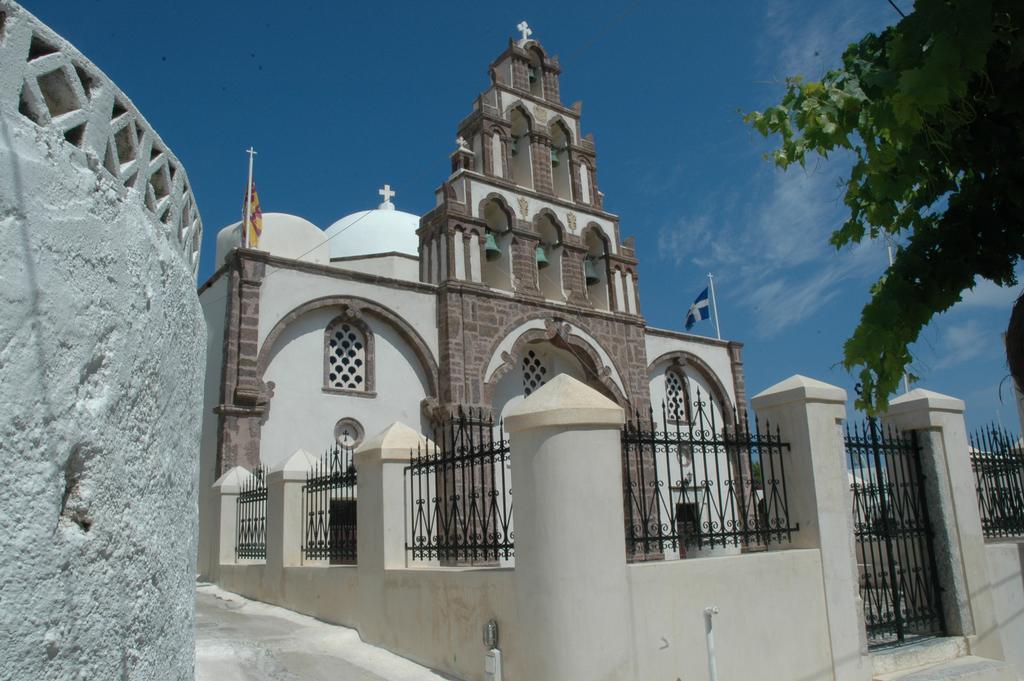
<point>242,640</point>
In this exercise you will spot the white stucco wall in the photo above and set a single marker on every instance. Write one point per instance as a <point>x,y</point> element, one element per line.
<point>214,303</point>
<point>287,289</point>
<point>102,366</point>
<point>302,415</point>
<point>1006,575</point>
<point>770,626</point>
<point>395,266</point>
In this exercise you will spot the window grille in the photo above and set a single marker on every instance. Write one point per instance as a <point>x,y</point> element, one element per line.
<point>346,357</point>
<point>534,372</point>
<point>675,397</point>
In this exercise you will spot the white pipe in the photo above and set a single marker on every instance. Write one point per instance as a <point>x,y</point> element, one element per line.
<point>714,305</point>
<point>248,199</point>
<point>710,634</point>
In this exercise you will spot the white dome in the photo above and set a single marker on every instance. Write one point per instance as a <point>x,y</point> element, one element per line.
<point>382,230</point>
<point>288,236</point>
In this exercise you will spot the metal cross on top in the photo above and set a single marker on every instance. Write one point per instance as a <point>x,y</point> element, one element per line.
<point>525,29</point>
<point>386,192</point>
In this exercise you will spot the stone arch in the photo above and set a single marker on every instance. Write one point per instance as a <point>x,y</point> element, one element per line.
<point>357,306</point>
<point>567,127</point>
<point>550,214</point>
<point>559,333</point>
<point>531,123</point>
<point>682,358</point>
<point>502,204</point>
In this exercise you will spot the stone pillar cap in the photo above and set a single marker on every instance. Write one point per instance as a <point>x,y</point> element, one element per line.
<point>798,388</point>
<point>564,401</point>
<point>396,443</point>
<point>231,482</point>
<point>296,466</point>
<point>924,400</point>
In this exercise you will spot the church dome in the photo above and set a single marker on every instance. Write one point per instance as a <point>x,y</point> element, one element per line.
<point>288,236</point>
<point>382,230</point>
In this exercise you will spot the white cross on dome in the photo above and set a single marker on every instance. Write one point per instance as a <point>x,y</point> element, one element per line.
<point>387,193</point>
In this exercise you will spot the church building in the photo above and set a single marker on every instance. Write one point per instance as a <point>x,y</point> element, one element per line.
<point>517,274</point>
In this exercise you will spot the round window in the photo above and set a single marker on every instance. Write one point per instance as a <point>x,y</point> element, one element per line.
<point>348,433</point>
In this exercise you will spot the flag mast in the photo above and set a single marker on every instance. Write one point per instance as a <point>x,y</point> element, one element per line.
<point>248,198</point>
<point>714,304</point>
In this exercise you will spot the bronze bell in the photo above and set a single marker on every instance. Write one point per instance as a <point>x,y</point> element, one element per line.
<point>542,258</point>
<point>590,271</point>
<point>491,250</point>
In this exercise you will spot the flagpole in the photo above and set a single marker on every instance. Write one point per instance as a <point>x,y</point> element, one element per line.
<point>248,198</point>
<point>714,304</point>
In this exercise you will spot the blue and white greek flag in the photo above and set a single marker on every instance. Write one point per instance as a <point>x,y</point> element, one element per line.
<point>701,309</point>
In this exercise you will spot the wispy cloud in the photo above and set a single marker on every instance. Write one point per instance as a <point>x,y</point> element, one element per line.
<point>767,242</point>
<point>962,343</point>
<point>986,294</point>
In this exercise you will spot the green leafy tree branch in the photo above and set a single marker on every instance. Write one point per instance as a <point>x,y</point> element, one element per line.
<point>932,110</point>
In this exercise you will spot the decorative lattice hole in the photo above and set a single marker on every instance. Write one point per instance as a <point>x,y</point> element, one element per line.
<point>161,186</point>
<point>26,107</point>
<point>76,135</point>
<point>675,397</point>
<point>534,372</point>
<point>40,48</point>
<point>124,139</point>
<point>130,182</point>
<point>155,152</point>
<point>3,26</point>
<point>88,84</point>
<point>346,358</point>
<point>60,97</point>
<point>119,110</point>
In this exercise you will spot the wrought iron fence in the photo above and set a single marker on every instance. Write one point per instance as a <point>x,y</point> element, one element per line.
<point>693,481</point>
<point>895,554</point>
<point>251,517</point>
<point>460,494</point>
<point>329,508</point>
<point>998,462</point>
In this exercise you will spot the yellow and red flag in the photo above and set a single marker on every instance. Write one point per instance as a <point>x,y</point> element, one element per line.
<point>252,217</point>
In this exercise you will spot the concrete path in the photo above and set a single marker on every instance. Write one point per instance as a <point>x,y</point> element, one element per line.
<point>242,640</point>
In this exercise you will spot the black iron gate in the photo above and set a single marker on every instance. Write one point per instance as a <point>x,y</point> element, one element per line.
<point>895,554</point>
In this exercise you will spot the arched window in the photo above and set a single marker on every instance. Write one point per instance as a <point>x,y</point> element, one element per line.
<point>677,397</point>
<point>535,374</point>
<point>348,356</point>
<point>496,265</point>
<point>549,259</point>
<point>519,149</point>
<point>560,172</point>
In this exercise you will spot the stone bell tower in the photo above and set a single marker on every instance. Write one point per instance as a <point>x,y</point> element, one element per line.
<point>521,247</point>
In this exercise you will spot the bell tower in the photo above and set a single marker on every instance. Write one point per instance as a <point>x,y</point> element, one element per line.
<point>519,238</point>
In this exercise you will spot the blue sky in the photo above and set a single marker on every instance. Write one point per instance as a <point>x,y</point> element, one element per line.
<point>339,98</point>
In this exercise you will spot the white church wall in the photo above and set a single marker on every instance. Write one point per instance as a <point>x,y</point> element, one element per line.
<point>214,303</point>
<point>534,205</point>
<point>292,288</point>
<point>714,353</point>
<point>1006,575</point>
<point>302,415</point>
<point>395,266</point>
<point>102,372</point>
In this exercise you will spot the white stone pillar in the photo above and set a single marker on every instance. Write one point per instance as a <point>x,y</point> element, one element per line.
<point>570,574</point>
<point>809,415</point>
<point>227,488</point>
<point>380,518</point>
<point>953,510</point>
<point>285,524</point>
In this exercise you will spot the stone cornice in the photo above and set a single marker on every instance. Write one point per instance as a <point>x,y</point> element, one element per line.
<point>693,338</point>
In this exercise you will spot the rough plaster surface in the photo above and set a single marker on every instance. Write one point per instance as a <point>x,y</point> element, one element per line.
<point>101,365</point>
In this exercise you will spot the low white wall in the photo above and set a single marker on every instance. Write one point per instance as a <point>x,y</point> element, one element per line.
<point>432,616</point>
<point>771,625</point>
<point>1006,573</point>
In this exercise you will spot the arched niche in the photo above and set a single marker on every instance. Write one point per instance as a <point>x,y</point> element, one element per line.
<point>520,151</point>
<point>597,275</point>
<point>535,71</point>
<point>700,381</point>
<point>548,256</point>
<point>561,173</point>
<point>496,264</point>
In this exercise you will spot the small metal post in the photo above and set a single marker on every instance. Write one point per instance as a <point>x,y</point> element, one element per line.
<point>710,635</point>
